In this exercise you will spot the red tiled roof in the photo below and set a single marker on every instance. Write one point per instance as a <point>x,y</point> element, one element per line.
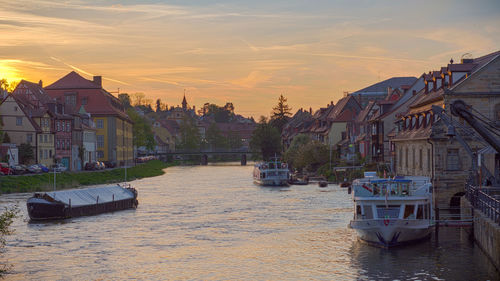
<point>71,81</point>
<point>99,101</point>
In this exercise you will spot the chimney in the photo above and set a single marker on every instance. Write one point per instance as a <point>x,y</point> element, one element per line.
<point>331,102</point>
<point>426,87</point>
<point>310,110</point>
<point>389,90</point>
<point>40,83</point>
<point>194,109</point>
<point>98,80</point>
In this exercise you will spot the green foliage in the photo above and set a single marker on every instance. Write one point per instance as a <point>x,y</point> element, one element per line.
<point>6,219</point>
<point>143,135</point>
<point>6,138</point>
<point>214,137</point>
<point>311,156</point>
<point>41,182</point>
<point>266,139</point>
<point>234,140</point>
<point>190,138</point>
<point>25,153</point>
<point>281,113</point>
<point>220,114</point>
<point>125,99</point>
<point>292,151</point>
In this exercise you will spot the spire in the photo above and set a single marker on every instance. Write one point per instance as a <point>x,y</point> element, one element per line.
<point>184,102</point>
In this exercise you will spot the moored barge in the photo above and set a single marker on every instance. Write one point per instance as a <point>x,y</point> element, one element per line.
<point>81,202</point>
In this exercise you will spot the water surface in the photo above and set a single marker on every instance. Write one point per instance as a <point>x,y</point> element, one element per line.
<point>213,223</point>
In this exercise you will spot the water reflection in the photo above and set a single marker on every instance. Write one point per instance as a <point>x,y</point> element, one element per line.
<point>212,223</point>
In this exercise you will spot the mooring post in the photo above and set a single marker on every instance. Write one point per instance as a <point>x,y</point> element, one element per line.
<point>204,160</point>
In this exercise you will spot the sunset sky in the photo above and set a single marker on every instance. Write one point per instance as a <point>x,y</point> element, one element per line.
<point>246,52</point>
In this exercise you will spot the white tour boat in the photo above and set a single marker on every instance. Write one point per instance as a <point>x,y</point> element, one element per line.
<point>391,212</point>
<point>271,173</point>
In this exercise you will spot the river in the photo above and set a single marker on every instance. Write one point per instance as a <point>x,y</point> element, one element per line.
<point>213,223</point>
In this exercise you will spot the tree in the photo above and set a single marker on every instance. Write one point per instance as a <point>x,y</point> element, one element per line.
<point>143,134</point>
<point>221,114</point>
<point>311,156</point>
<point>6,138</point>
<point>281,113</point>
<point>6,219</point>
<point>214,137</point>
<point>190,138</point>
<point>266,139</point>
<point>125,99</point>
<point>25,153</point>
<point>234,140</point>
<point>297,143</point>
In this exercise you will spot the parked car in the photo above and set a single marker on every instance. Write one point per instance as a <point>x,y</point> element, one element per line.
<point>101,165</point>
<point>90,166</point>
<point>43,168</point>
<point>109,164</point>
<point>17,170</point>
<point>35,169</point>
<point>5,169</point>
<point>59,168</point>
<point>25,168</point>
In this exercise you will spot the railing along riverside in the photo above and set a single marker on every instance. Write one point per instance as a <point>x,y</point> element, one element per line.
<point>484,200</point>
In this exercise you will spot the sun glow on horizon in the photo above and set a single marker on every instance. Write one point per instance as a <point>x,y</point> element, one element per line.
<point>9,72</point>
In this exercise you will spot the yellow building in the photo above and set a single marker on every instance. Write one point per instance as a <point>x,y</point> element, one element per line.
<point>114,133</point>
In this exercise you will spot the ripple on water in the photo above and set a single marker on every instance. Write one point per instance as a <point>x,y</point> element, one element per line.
<point>213,223</point>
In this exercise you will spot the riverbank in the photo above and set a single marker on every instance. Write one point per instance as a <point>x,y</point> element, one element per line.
<point>45,182</point>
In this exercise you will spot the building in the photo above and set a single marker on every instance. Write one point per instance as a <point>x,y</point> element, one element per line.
<point>35,99</point>
<point>18,124</point>
<point>378,91</point>
<point>114,133</point>
<point>422,144</point>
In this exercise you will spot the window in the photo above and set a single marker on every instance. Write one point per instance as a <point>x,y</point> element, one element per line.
<point>406,157</point>
<point>100,141</point>
<point>15,108</point>
<point>68,126</point>
<point>420,158</point>
<point>57,144</point>
<point>19,121</point>
<point>401,157</point>
<point>45,154</point>
<point>41,154</point>
<point>29,138</point>
<point>50,153</point>
<point>100,124</point>
<point>368,212</point>
<point>40,138</point>
<point>84,101</point>
<point>452,160</point>
<point>45,138</point>
<point>57,126</point>
<point>409,210</point>
<point>68,145</point>
<point>413,158</point>
<point>100,154</point>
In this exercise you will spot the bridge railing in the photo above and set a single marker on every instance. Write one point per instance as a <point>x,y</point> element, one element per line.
<point>486,200</point>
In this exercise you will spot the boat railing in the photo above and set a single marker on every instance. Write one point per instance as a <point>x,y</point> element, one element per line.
<point>390,188</point>
<point>486,200</point>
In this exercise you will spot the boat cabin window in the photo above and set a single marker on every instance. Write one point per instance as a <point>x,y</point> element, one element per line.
<point>368,212</point>
<point>392,211</point>
<point>420,212</point>
<point>409,212</point>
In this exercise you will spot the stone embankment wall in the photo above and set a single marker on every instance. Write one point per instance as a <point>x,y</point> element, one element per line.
<point>486,232</point>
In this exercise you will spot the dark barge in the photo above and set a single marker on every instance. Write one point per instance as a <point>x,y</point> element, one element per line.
<point>81,202</point>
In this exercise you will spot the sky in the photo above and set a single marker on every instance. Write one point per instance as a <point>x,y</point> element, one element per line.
<point>244,52</point>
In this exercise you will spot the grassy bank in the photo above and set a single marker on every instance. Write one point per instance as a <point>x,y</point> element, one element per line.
<point>45,182</point>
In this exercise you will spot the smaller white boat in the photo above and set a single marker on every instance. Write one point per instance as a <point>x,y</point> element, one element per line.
<point>391,212</point>
<point>271,173</point>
